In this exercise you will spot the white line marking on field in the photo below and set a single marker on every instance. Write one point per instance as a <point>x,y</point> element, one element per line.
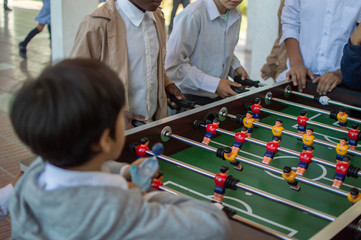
<point>248,210</point>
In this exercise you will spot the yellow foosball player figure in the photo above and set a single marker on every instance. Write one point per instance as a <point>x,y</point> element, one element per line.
<point>354,195</point>
<point>277,129</point>
<point>307,139</point>
<point>289,176</point>
<point>231,157</point>
<point>341,150</point>
<point>248,123</point>
<point>342,118</point>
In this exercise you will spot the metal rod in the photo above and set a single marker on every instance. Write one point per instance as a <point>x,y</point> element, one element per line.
<point>329,101</point>
<point>240,185</point>
<point>278,171</point>
<point>241,219</point>
<point>281,149</point>
<point>309,108</point>
<point>324,143</point>
<point>308,122</point>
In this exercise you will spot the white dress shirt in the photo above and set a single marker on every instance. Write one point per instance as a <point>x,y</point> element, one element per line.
<point>5,194</point>
<point>143,49</point>
<point>53,178</point>
<point>200,50</point>
<point>322,28</point>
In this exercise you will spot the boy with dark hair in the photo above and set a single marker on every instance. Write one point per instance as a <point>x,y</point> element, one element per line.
<point>72,115</point>
<point>130,37</point>
<point>200,52</point>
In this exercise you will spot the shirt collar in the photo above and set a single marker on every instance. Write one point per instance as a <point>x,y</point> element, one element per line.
<point>213,12</point>
<point>62,178</point>
<point>212,9</point>
<point>132,12</point>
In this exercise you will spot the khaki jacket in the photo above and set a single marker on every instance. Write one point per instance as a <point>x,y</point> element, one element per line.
<point>277,59</point>
<point>102,36</point>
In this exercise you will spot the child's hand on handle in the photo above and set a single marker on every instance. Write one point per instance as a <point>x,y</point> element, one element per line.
<point>143,174</point>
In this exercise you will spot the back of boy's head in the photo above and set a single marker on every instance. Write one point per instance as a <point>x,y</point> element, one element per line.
<point>63,112</point>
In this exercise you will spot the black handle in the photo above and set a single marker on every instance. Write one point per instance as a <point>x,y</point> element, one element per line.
<point>246,82</point>
<point>184,103</point>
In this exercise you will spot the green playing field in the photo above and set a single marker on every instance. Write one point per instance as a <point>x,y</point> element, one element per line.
<point>288,220</point>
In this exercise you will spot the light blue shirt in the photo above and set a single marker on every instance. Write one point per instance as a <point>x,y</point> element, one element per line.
<point>201,47</point>
<point>143,49</point>
<point>322,28</point>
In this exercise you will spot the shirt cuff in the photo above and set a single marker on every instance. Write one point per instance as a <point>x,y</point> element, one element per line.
<point>290,33</point>
<point>210,84</point>
<point>122,169</point>
<point>5,194</point>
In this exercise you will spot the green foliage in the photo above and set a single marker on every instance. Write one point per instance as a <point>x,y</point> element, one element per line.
<point>243,7</point>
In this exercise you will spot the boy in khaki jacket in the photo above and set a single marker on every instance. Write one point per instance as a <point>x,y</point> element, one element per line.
<point>130,37</point>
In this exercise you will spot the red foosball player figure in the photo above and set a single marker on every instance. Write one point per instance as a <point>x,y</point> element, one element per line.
<point>341,171</point>
<point>211,131</point>
<point>229,155</point>
<point>223,181</point>
<point>142,148</point>
<point>219,180</point>
<point>342,118</point>
<point>271,150</point>
<point>307,139</point>
<point>302,122</point>
<point>277,129</point>
<point>248,123</point>
<point>289,176</point>
<point>239,139</point>
<point>256,109</point>
<point>341,149</point>
<point>353,135</point>
<point>157,180</point>
<point>354,195</point>
<point>305,160</point>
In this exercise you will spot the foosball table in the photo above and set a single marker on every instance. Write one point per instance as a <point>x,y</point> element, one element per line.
<point>265,205</point>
